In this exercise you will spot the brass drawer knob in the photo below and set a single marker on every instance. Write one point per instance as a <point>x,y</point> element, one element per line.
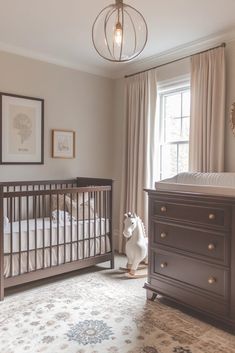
<point>163,265</point>
<point>211,247</point>
<point>163,235</point>
<point>211,280</point>
<point>211,216</point>
<point>163,209</point>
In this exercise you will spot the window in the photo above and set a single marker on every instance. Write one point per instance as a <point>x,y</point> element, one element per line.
<point>174,130</point>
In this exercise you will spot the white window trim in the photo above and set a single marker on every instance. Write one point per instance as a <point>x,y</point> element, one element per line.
<point>166,86</point>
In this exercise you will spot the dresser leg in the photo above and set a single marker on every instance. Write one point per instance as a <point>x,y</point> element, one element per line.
<point>151,295</point>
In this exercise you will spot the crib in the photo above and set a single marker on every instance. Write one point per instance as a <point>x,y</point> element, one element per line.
<point>52,227</point>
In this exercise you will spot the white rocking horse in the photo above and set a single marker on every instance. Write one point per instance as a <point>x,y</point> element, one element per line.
<point>136,246</point>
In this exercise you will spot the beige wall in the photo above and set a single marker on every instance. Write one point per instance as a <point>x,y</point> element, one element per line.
<point>73,100</point>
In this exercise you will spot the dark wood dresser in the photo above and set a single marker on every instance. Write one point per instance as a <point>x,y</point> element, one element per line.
<point>192,251</point>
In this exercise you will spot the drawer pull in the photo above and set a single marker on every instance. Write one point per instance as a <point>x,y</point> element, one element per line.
<point>211,280</point>
<point>211,216</point>
<point>163,235</point>
<point>211,247</point>
<point>163,265</point>
<point>163,209</point>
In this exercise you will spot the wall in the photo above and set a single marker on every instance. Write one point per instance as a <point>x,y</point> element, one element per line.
<point>73,100</point>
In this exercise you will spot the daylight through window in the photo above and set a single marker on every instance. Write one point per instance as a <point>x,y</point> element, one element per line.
<point>174,131</point>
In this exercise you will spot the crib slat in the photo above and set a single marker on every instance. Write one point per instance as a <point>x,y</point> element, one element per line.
<point>94,224</point>
<point>50,230</point>
<point>11,237</point>
<point>106,216</point>
<point>58,227</point>
<point>19,199</point>
<point>64,232</point>
<point>43,229</point>
<point>14,205</point>
<point>77,227</point>
<point>35,232</point>
<point>8,208</point>
<point>83,223</point>
<point>71,228</point>
<point>89,226</point>
<point>27,220</point>
<point>100,213</point>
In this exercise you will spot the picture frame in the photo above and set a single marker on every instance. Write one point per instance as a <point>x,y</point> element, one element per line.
<point>63,144</point>
<point>21,129</point>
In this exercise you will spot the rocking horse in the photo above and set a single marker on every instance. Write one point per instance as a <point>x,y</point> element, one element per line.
<point>136,245</point>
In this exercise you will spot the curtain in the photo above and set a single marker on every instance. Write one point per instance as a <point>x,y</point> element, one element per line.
<point>206,150</point>
<point>139,146</point>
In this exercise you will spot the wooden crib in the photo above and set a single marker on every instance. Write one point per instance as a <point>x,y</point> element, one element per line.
<point>51,227</point>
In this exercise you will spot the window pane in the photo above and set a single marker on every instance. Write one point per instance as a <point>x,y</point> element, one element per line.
<point>175,126</point>
<point>169,160</point>
<point>173,105</point>
<point>173,129</point>
<point>186,104</point>
<point>185,128</point>
<point>183,157</point>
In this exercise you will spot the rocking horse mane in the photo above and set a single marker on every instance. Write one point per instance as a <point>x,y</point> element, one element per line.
<point>143,227</point>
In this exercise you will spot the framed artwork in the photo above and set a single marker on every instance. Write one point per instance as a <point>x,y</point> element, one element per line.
<point>21,129</point>
<point>63,144</point>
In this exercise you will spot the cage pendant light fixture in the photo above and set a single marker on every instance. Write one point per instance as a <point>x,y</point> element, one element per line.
<point>119,32</point>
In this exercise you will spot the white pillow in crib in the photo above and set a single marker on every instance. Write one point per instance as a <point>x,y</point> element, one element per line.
<point>6,221</point>
<point>61,216</point>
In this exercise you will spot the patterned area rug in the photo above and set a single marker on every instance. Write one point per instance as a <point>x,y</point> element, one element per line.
<point>101,312</point>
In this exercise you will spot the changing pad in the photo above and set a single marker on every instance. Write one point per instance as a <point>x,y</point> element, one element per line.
<point>208,183</point>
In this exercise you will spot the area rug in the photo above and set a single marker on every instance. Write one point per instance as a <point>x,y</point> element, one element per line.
<point>99,312</point>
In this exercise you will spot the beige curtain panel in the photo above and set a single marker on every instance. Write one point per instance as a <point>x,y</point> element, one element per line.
<point>139,148</point>
<point>206,150</point>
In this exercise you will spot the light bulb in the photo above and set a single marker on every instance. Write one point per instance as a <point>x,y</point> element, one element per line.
<point>118,34</point>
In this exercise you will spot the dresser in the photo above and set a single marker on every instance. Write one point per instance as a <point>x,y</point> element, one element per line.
<point>192,251</point>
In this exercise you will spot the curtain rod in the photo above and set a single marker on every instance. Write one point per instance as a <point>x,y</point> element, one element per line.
<point>174,61</point>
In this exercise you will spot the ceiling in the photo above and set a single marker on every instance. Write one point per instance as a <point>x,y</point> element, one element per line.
<point>59,31</point>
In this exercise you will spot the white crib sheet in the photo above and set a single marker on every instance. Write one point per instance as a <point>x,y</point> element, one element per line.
<point>34,235</point>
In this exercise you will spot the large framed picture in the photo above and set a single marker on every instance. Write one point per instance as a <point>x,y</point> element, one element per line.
<point>63,144</point>
<point>21,129</point>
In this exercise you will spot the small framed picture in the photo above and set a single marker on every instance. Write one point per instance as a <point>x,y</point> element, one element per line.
<point>21,129</point>
<point>63,144</point>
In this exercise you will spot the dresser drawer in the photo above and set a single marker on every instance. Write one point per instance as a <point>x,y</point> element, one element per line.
<point>198,213</point>
<point>188,297</point>
<point>196,241</point>
<point>197,274</point>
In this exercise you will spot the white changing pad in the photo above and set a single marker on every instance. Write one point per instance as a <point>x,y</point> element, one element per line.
<point>208,183</point>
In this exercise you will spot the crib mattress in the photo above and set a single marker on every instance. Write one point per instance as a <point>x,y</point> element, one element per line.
<point>30,235</point>
<point>221,184</point>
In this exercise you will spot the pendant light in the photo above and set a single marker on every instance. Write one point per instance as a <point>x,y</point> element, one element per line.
<point>119,32</point>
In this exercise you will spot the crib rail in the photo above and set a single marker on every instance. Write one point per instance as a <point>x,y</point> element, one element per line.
<point>54,227</point>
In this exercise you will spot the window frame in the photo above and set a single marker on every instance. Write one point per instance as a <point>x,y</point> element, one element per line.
<point>171,87</point>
